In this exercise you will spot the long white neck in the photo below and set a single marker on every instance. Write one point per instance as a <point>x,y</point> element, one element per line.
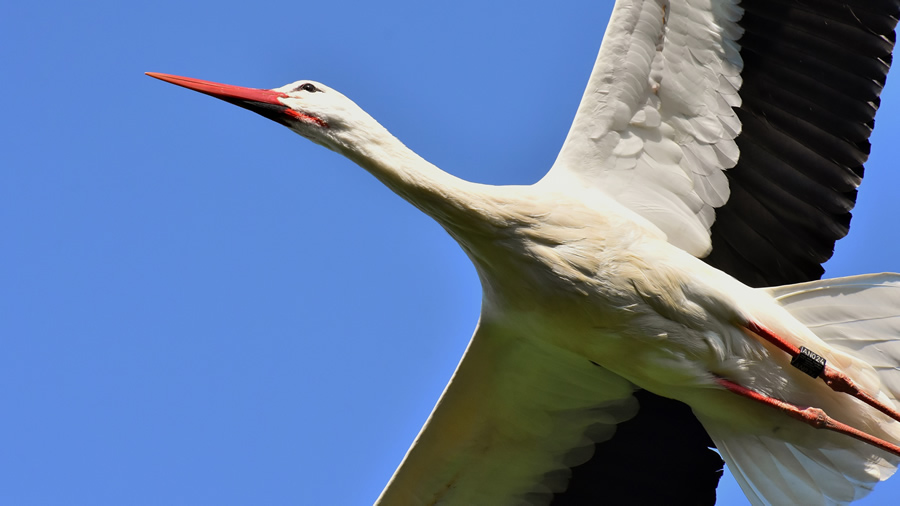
<point>451,201</point>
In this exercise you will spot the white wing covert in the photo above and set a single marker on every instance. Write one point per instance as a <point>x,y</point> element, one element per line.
<point>516,415</point>
<point>655,128</point>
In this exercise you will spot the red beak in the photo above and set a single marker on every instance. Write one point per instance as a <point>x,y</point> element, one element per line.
<point>264,102</point>
<point>223,91</point>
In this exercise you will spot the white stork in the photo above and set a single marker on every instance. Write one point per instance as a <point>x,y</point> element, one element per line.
<point>717,148</point>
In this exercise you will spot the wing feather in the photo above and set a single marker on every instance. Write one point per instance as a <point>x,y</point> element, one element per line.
<point>690,99</point>
<point>515,417</point>
<point>656,126</point>
<point>812,75</point>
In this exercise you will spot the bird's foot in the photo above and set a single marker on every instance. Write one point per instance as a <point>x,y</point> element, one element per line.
<point>814,365</point>
<point>811,416</point>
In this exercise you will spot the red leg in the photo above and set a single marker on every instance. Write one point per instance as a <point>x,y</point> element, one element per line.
<point>838,381</point>
<point>811,416</point>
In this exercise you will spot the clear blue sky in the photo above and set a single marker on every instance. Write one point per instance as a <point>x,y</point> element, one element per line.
<point>200,307</point>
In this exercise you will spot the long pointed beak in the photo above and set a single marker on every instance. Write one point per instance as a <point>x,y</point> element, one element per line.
<point>264,102</point>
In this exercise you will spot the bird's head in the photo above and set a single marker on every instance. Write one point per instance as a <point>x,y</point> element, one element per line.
<point>311,109</point>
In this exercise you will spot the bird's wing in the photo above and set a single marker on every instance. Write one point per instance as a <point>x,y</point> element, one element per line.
<point>516,415</point>
<point>813,73</point>
<point>738,128</point>
<point>656,127</point>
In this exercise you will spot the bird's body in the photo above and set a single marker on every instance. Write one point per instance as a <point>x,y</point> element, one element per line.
<point>609,276</point>
<point>564,281</point>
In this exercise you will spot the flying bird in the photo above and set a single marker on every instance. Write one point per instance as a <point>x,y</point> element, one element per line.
<point>657,292</point>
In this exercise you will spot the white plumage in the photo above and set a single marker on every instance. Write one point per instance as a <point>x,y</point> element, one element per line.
<point>594,286</point>
<point>660,149</point>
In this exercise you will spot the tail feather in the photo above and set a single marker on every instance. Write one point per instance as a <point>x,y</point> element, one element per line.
<point>776,472</point>
<point>860,317</point>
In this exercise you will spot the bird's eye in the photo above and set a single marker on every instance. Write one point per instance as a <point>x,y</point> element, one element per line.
<point>307,87</point>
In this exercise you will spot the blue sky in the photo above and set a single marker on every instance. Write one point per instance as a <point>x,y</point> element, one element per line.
<point>200,307</point>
